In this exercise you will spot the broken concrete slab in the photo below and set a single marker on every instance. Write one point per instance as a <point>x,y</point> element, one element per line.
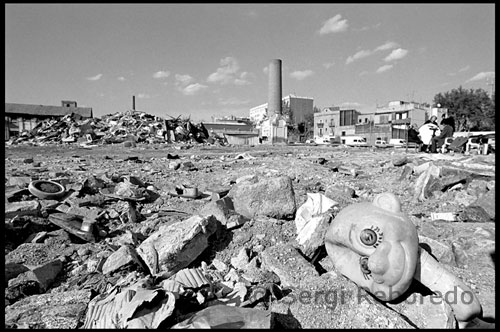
<point>22,208</point>
<point>48,311</point>
<point>423,182</point>
<point>442,252</point>
<point>174,246</point>
<point>241,260</point>
<point>12,270</point>
<point>125,256</point>
<point>43,275</point>
<point>223,211</point>
<point>287,263</point>
<point>487,203</point>
<point>270,196</point>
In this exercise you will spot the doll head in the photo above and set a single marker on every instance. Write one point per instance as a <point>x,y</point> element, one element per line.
<point>375,245</point>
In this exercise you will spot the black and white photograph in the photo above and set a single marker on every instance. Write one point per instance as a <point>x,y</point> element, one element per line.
<point>249,165</point>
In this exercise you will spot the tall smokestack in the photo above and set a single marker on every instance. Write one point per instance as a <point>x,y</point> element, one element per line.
<point>274,93</point>
<point>133,103</point>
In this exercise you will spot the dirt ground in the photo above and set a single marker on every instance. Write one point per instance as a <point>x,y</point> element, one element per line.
<point>313,169</point>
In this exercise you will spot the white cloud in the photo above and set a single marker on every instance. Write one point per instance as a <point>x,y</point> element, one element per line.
<point>225,73</point>
<point>481,76</point>
<point>243,79</point>
<point>384,68</point>
<point>193,89</point>
<point>464,69</point>
<point>121,78</point>
<point>143,96</point>
<point>182,80</point>
<point>161,74</point>
<point>94,78</point>
<point>301,74</point>
<point>358,55</point>
<point>333,25</point>
<point>328,65</point>
<point>387,46</point>
<point>396,55</point>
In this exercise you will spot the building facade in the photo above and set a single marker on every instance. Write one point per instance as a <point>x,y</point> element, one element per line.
<point>333,121</point>
<point>299,107</point>
<point>25,117</point>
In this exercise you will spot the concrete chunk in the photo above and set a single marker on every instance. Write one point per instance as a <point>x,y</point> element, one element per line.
<point>174,246</point>
<point>125,255</point>
<point>22,208</point>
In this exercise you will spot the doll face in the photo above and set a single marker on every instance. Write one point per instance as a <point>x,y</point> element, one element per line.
<point>374,247</point>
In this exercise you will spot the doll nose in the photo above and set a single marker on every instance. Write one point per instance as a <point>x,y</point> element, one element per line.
<point>378,262</point>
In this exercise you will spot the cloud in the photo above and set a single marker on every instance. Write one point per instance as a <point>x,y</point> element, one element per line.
<point>161,74</point>
<point>358,55</point>
<point>193,89</point>
<point>243,79</point>
<point>481,76</point>
<point>94,78</point>
<point>233,101</point>
<point>328,65</point>
<point>182,80</point>
<point>333,25</point>
<point>396,55</point>
<point>121,78</point>
<point>384,68</point>
<point>301,74</point>
<point>464,69</point>
<point>143,96</point>
<point>225,74</point>
<point>369,27</point>
<point>387,46</point>
<point>365,53</point>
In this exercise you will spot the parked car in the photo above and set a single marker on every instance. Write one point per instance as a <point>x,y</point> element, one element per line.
<point>382,144</point>
<point>397,142</point>
<point>354,141</point>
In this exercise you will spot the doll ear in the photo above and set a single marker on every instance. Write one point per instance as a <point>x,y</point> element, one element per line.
<point>387,201</point>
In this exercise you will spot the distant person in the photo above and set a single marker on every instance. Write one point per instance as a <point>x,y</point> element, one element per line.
<point>438,141</point>
<point>463,123</point>
<point>451,121</point>
<point>427,131</point>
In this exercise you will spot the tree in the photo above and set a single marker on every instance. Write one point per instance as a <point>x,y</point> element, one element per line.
<point>475,105</point>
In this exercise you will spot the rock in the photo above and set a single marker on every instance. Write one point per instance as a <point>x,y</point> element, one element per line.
<point>223,211</point>
<point>423,182</point>
<point>286,262</point>
<point>12,270</point>
<point>473,214</point>
<point>487,203</point>
<point>19,181</point>
<point>406,173</point>
<point>311,221</point>
<point>430,311</point>
<point>22,208</point>
<point>272,197</point>
<point>419,169</point>
<point>43,275</point>
<point>400,161</point>
<point>219,265</point>
<point>440,251</point>
<point>39,253</point>
<point>328,301</point>
<point>124,256</point>
<point>174,246</point>
<point>48,311</point>
<point>241,260</point>
<point>339,193</point>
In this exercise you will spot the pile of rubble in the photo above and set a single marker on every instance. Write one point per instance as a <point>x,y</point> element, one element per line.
<point>109,252</point>
<point>131,126</point>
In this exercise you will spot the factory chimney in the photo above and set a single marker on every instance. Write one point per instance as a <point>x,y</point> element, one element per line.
<point>274,92</point>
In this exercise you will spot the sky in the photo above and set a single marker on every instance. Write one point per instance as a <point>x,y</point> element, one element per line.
<point>210,60</point>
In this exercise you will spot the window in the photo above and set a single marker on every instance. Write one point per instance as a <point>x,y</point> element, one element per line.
<point>320,132</point>
<point>343,133</point>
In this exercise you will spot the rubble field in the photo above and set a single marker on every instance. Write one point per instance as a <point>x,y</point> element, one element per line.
<point>178,235</point>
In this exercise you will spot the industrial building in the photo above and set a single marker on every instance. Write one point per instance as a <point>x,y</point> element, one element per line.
<point>21,117</point>
<point>300,107</point>
<point>235,130</point>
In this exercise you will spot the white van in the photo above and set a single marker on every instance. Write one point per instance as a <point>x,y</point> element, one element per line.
<point>397,142</point>
<point>354,141</point>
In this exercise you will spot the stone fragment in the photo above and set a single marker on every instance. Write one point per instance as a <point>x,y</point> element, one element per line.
<point>333,301</point>
<point>419,169</point>
<point>223,211</point>
<point>43,275</point>
<point>400,161</point>
<point>426,312</point>
<point>48,311</point>
<point>272,197</point>
<point>442,252</point>
<point>12,270</point>
<point>423,182</point>
<point>487,202</point>
<point>174,246</point>
<point>22,208</point>
<point>287,263</point>
<point>241,260</point>
<point>219,265</point>
<point>123,257</point>
<point>19,181</point>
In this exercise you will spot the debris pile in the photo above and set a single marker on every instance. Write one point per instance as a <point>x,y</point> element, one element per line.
<point>137,243</point>
<point>130,127</point>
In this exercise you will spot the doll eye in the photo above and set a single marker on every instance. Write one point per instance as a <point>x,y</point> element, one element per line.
<point>371,236</point>
<point>368,237</point>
